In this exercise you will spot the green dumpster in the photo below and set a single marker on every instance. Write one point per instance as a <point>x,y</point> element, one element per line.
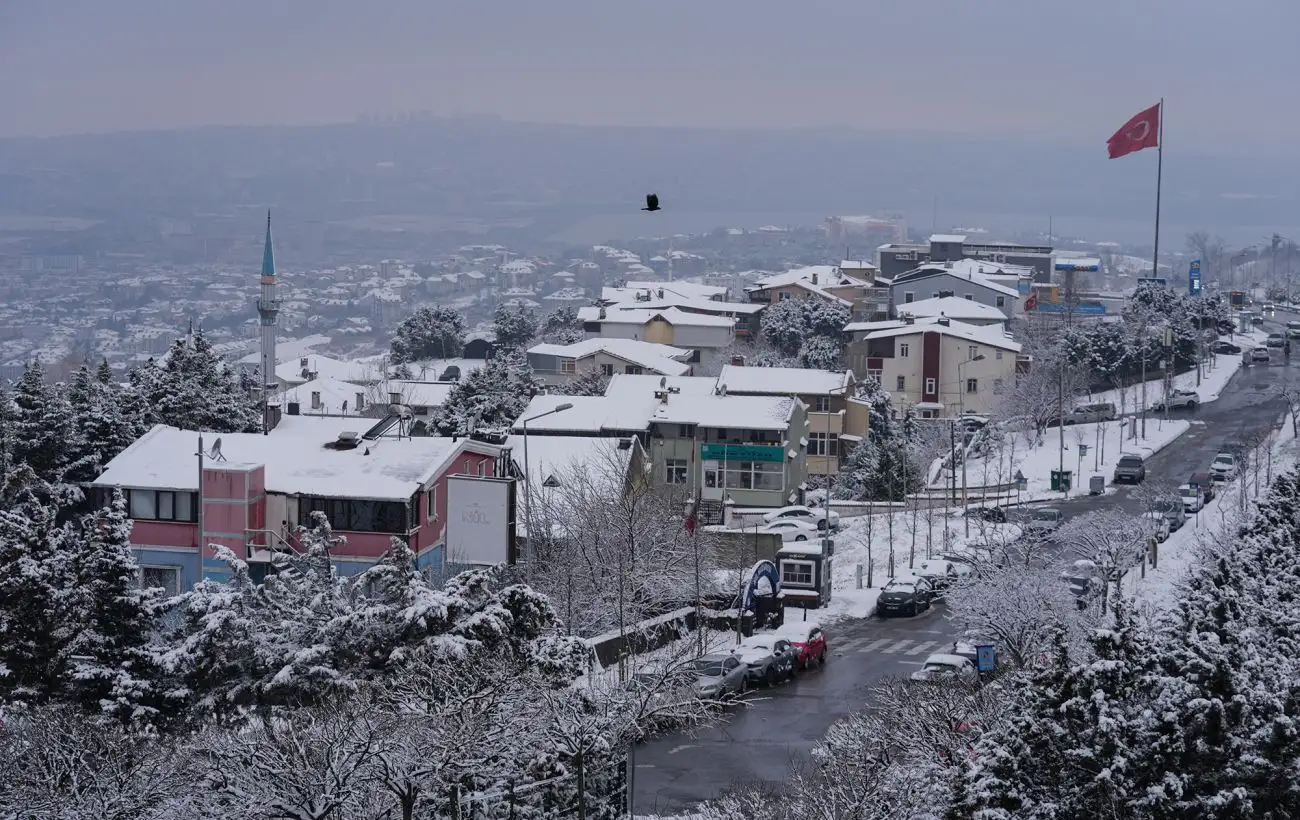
<point>1061,480</point>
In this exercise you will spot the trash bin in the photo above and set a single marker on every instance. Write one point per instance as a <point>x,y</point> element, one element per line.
<point>1097,485</point>
<point>1061,480</point>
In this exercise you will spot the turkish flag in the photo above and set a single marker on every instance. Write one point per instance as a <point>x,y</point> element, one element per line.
<point>1143,131</point>
<point>1032,302</point>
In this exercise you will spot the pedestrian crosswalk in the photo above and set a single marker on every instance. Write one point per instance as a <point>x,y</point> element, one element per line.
<point>907,647</point>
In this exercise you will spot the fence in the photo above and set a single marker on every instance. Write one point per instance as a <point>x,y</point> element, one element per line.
<point>587,792</point>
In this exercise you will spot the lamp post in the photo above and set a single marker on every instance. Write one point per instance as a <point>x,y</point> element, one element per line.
<point>528,480</point>
<point>961,403</point>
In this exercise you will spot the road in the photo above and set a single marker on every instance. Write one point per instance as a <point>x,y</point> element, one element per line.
<point>760,741</point>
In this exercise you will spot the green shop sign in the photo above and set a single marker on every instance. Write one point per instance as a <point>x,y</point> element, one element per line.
<point>742,452</point>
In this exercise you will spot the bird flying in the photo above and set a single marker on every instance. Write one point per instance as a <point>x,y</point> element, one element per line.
<point>651,202</point>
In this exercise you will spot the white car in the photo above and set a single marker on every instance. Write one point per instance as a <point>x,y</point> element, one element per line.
<point>1191,496</point>
<point>1224,466</point>
<point>811,515</point>
<point>945,667</point>
<point>1259,354</point>
<point>942,572</point>
<point>791,529</point>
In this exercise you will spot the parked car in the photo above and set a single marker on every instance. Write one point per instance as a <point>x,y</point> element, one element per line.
<point>1191,497</point>
<point>1089,413</point>
<point>1226,348</point>
<point>1275,340</point>
<point>811,515</point>
<point>1293,330</point>
<point>993,515</point>
<point>1130,468</point>
<point>1084,581</point>
<point>1179,400</point>
<point>905,596</point>
<point>1159,527</point>
<point>1171,509</point>
<point>1206,482</point>
<point>768,658</point>
<point>942,572</point>
<point>1224,467</point>
<point>943,667</point>
<point>808,639</point>
<point>1259,354</point>
<point>791,529</point>
<point>718,677</point>
<point>1044,521</point>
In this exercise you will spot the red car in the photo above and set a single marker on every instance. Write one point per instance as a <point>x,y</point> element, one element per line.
<point>809,641</point>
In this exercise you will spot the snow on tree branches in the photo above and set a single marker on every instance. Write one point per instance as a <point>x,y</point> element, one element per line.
<point>429,333</point>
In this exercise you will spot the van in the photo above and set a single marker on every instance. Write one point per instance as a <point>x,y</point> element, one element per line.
<point>1089,413</point>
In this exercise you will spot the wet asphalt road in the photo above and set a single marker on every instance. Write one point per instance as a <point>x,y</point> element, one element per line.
<point>760,741</point>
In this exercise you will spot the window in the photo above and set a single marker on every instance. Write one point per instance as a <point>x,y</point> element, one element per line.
<point>974,351</point>
<point>168,579</point>
<point>999,354</point>
<point>927,414</point>
<point>822,404</point>
<point>970,298</point>
<point>1002,301</point>
<point>162,505</point>
<point>904,349</point>
<point>823,444</point>
<point>929,386</point>
<point>361,402</point>
<point>675,471</point>
<point>783,297</point>
<point>633,369</point>
<point>901,383</point>
<point>875,373</point>
<point>394,398</point>
<point>433,503</point>
<point>683,431</point>
<point>752,475</point>
<point>797,572</point>
<point>607,370</point>
<point>568,366</point>
<point>909,297</point>
<point>972,385</point>
<point>356,515</point>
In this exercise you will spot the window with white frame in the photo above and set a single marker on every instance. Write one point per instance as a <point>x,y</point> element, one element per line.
<point>972,386</point>
<point>903,350</point>
<point>607,370</point>
<point>900,383</point>
<point>168,579</point>
<point>875,372</point>
<point>433,503</point>
<point>974,351</point>
<point>783,297</point>
<point>568,366</point>
<point>930,386</point>
<point>823,444</point>
<point>797,572</point>
<point>752,475</point>
<point>822,404</point>
<point>909,297</point>
<point>633,369</point>
<point>675,471</point>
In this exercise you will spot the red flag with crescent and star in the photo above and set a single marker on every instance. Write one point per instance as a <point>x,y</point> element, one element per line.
<point>1143,131</point>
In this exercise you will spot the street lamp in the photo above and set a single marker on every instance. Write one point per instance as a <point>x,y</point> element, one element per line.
<point>528,481</point>
<point>961,402</point>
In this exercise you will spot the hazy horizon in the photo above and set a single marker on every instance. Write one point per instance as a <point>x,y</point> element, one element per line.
<point>1002,69</point>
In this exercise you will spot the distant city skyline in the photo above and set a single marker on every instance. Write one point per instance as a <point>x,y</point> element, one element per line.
<point>1005,68</point>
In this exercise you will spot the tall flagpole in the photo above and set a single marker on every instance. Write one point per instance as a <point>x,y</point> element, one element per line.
<point>1160,157</point>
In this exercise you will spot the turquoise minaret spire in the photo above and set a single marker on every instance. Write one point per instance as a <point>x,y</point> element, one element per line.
<point>268,308</point>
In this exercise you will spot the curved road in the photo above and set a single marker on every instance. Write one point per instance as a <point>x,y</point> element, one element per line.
<point>757,743</point>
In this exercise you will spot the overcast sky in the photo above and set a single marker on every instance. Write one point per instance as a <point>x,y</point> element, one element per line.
<point>1041,69</point>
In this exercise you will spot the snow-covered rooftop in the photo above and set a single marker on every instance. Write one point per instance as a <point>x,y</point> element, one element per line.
<point>361,370</point>
<point>663,359</point>
<point>954,307</point>
<point>947,237</point>
<point>734,412</point>
<point>689,290</point>
<point>622,385</point>
<point>628,411</point>
<point>552,458</point>
<point>325,394</point>
<point>421,394</point>
<point>296,460</point>
<point>991,335</point>
<point>589,414</point>
<point>640,316</point>
<point>969,270</point>
<point>782,381</point>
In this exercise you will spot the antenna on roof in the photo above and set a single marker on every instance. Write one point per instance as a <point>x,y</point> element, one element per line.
<point>215,452</point>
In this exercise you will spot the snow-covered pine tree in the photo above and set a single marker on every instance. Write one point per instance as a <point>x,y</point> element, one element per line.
<point>490,397</point>
<point>857,472</point>
<point>561,327</point>
<point>429,333</point>
<point>109,615</point>
<point>821,353</point>
<point>588,382</point>
<point>42,426</point>
<point>514,325</point>
<point>99,430</point>
<point>784,326</point>
<point>195,389</point>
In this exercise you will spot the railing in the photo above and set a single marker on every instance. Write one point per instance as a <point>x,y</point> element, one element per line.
<point>274,541</point>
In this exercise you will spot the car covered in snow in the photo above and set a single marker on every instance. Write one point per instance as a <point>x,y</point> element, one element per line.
<point>944,667</point>
<point>1259,354</point>
<point>791,529</point>
<point>1224,467</point>
<point>1044,521</point>
<point>809,640</point>
<point>1193,501</point>
<point>904,596</point>
<point>718,677</point>
<point>768,658</point>
<point>809,515</point>
<point>943,572</point>
<point>1179,400</point>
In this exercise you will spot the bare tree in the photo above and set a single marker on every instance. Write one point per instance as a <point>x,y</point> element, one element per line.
<point>1111,539</point>
<point>1015,607</point>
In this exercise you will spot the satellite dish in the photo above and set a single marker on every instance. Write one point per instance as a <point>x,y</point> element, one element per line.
<point>215,452</point>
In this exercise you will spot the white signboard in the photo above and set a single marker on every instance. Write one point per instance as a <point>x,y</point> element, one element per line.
<point>480,520</point>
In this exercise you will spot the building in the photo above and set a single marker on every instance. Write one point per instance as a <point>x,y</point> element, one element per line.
<point>956,308</point>
<point>938,366</point>
<point>558,364</point>
<point>268,309</point>
<point>256,489</point>
<point>687,297</point>
<point>751,450</point>
<point>295,373</point>
<point>895,258</point>
<point>964,279</point>
<point>866,229</point>
<point>710,337</point>
<point>814,281</point>
<point>837,421</point>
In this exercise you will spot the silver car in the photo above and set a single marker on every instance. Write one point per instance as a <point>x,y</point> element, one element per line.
<point>768,658</point>
<point>719,677</point>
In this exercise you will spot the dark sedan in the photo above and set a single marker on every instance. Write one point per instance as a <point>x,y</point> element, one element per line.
<point>905,596</point>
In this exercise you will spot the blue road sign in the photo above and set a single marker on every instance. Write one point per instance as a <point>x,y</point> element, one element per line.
<point>985,659</point>
<point>1194,278</point>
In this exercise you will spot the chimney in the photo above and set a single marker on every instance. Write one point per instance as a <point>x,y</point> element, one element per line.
<point>303,363</point>
<point>814,277</point>
<point>943,320</point>
<point>661,293</point>
<point>601,315</point>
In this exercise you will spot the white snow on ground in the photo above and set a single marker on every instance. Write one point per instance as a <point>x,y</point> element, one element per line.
<point>1219,519</point>
<point>1214,376</point>
<point>670,655</point>
<point>1001,463</point>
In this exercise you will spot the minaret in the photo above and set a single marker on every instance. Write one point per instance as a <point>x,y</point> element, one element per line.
<point>268,308</point>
